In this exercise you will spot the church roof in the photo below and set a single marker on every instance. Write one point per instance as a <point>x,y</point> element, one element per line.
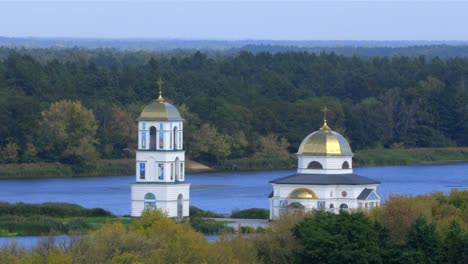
<point>366,193</point>
<point>325,179</point>
<point>325,142</point>
<point>160,111</point>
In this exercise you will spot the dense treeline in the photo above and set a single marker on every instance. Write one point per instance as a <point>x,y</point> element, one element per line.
<point>249,105</point>
<point>424,229</point>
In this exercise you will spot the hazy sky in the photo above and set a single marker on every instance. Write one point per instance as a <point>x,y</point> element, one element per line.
<point>279,20</point>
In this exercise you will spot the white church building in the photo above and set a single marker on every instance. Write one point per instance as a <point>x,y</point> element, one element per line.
<point>160,161</point>
<point>324,179</point>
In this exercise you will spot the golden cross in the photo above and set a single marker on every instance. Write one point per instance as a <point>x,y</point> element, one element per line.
<point>325,110</point>
<point>160,84</point>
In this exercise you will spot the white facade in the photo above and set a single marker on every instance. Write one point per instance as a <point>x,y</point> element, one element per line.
<point>160,167</point>
<point>331,165</point>
<point>331,198</point>
<point>324,179</point>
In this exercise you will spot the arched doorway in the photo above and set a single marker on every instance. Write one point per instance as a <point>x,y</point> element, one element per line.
<point>150,200</point>
<point>180,207</point>
<point>153,138</point>
<point>344,207</point>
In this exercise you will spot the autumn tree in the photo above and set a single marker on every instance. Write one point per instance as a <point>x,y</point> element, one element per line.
<point>118,133</point>
<point>68,134</point>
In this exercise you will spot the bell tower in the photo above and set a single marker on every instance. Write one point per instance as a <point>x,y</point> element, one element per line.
<point>160,161</point>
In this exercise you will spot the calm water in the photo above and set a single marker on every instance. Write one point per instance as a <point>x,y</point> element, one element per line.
<point>222,192</point>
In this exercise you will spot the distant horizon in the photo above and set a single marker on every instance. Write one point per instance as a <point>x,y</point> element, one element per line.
<point>228,20</point>
<point>239,39</point>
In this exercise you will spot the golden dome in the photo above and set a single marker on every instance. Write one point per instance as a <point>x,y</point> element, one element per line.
<point>325,142</point>
<point>302,193</point>
<point>160,111</point>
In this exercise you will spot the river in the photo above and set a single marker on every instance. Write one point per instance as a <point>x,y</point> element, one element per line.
<point>222,192</point>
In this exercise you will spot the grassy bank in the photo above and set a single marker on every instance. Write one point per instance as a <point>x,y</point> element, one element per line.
<point>379,157</point>
<point>374,157</point>
<point>58,170</point>
<point>22,219</point>
<point>51,170</point>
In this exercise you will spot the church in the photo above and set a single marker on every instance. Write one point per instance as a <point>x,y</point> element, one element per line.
<point>324,179</point>
<point>160,161</point>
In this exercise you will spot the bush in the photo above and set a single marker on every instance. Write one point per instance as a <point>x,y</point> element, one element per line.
<point>197,212</point>
<point>252,213</point>
<point>210,226</point>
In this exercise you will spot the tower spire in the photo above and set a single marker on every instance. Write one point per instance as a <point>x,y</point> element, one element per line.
<point>325,127</point>
<point>160,85</point>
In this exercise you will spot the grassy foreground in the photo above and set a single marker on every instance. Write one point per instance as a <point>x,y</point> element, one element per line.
<point>24,219</point>
<point>423,229</point>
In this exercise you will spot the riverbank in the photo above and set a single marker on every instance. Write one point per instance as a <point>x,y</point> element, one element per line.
<point>412,156</point>
<point>103,167</point>
<point>30,219</point>
<point>25,219</point>
<point>374,157</point>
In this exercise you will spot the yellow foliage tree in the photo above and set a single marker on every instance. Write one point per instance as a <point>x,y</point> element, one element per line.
<point>68,133</point>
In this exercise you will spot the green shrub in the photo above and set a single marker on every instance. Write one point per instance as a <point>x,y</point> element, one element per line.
<point>197,212</point>
<point>209,226</point>
<point>252,213</point>
<point>247,230</point>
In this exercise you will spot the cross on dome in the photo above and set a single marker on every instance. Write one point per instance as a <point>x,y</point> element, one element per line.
<point>325,127</point>
<point>160,85</point>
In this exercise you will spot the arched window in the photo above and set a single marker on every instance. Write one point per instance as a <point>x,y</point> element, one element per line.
<point>150,200</point>
<point>345,165</point>
<point>153,138</point>
<point>332,206</point>
<point>315,165</point>
<point>176,141</point>
<point>177,171</point>
<point>181,172</point>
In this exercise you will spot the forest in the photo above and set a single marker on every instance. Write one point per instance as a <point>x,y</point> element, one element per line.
<point>74,105</point>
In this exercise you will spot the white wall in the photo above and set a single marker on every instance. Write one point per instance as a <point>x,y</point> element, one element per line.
<point>166,197</point>
<point>331,165</point>
<point>153,158</point>
<point>326,193</point>
<point>168,129</point>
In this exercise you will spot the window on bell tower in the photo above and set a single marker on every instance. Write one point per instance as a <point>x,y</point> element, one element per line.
<point>161,140</point>
<point>153,134</point>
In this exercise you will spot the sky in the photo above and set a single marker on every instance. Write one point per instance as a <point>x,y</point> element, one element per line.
<point>237,20</point>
